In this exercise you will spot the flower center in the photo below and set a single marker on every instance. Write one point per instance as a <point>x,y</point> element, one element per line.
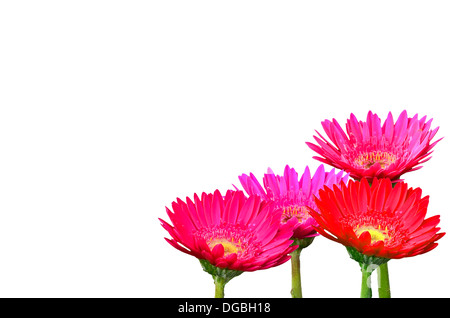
<point>229,247</point>
<point>376,234</point>
<point>382,226</point>
<point>368,159</point>
<point>298,211</point>
<point>233,237</point>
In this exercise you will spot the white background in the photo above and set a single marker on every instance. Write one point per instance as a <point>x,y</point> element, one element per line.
<point>110,110</point>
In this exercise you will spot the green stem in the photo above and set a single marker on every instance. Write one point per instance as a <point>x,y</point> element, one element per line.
<point>384,289</point>
<point>296,290</point>
<point>366,289</point>
<point>221,276</point>
<point>219,283</point>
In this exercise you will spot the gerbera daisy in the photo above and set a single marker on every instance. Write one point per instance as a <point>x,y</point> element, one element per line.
<point>376,223</point>
<point>369,149</point>
<point>229,234</point>
<point>294,197</point>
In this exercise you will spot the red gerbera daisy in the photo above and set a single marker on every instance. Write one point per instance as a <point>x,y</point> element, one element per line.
<point>377,220</point>
<point>371,150</point>
<point>229,234</point>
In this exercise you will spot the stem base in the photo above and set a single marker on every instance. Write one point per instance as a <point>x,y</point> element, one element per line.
<point>221,276</point>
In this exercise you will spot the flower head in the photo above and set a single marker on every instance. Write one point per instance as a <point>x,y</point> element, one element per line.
<point>292,196</point>
<point>371,150</point>
<point>230,232</point>
<point>377,220</point>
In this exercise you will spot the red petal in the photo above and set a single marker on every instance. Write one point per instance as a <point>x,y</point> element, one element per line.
<point>218,251</point>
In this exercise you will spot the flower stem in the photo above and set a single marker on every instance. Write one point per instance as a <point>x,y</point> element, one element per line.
<point>384,289</point>
<point>221,276</point>
<point>366,289</point>
<point>296,290</point>
<point>219,283</point>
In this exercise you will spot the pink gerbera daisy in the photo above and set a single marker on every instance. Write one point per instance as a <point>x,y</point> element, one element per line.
<point>370,149</point>
<point>229,234</point>
<point>294,198</point>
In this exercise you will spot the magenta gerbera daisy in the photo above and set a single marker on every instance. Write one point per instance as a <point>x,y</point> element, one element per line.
<point>293,195</point>
<point>294,198</point>
<point>229,234</point>
<point>369,149</point>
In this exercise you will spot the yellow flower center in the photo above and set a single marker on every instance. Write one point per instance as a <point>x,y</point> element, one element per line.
<point>229,247</point>
<point>235,239</point>
<point>368,159</point>
<point>376,234</point>
<point>299,212</point>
